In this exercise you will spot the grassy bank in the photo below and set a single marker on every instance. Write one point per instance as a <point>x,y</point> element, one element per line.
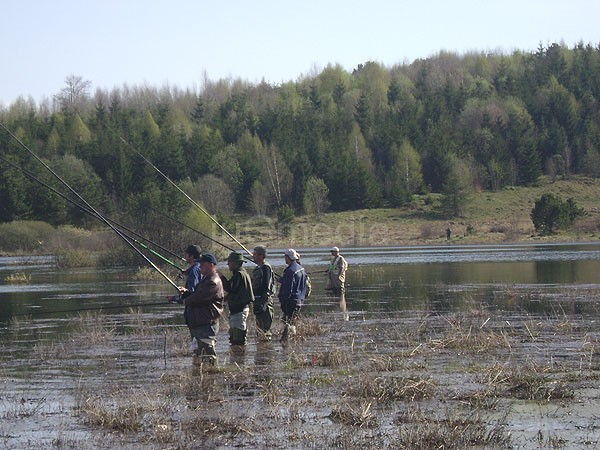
<point>490,217</point>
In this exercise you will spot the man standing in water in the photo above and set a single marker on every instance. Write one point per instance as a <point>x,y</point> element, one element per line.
<point>292,292</point>
<point>204,307</point>
<point>263,285</point>
<point>336,273</point>
<point>239,296</point>
<point>192,256</point>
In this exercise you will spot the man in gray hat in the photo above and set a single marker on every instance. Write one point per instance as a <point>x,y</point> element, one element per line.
<point>292,291</point>
<point>263,285</point>
<point>336,273</point>
<point>239,296</point>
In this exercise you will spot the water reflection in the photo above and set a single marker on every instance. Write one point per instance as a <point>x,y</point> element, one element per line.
<point>379,279</point>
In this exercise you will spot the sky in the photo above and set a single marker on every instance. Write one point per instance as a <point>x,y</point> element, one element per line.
<point>176,42</point>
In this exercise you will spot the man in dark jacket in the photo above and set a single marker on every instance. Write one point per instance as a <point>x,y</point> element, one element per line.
<point>292,291</point>
<point>263,285</point>
<point>204,307</point>
<point>193,276</point>
<point>239,296</point>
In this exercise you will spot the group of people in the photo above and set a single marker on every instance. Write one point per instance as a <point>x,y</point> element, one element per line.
<point>207,291</point>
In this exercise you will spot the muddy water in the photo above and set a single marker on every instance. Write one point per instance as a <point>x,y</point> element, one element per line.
<point>385,286</point>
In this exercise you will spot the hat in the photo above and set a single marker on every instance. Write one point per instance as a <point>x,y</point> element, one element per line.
<point>209,258</point>
<point>235,257</point>
<point>292,254</point>
<point>193,250</point>
<point>260,249</point>
<point>335,249</point>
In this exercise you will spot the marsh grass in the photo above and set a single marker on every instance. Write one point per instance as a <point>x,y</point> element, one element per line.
<point>358,416</point>
<point>308,326</point>
<point>385,389</point>
<point>472,339</point>
<point>19,407</point>
<point>18,278</point>
<point>99,413</point>
<point>455,430</point>
<point>88,330</point>
<point>529,382</point>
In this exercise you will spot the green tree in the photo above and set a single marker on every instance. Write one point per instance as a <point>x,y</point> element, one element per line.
<point>550,213</point>
<point>457,188</point>
<point>315,196</point>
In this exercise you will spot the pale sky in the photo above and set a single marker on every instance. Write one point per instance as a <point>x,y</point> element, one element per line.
<point>112,42</point>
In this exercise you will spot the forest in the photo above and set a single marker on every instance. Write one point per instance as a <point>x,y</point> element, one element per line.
<point>333,139</point>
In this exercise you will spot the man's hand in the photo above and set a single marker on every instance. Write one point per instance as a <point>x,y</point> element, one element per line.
<point>182,290</point>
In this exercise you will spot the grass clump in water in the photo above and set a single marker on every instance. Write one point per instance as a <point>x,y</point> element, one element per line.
<point>423,430</point>
<point>17,278</point>
<point>123,418</point>
<point>531,382</point>
<point>392,388</point>
<point>361,416</point>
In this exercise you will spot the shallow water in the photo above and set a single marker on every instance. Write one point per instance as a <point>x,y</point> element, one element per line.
<point>379,279</point>
<point>390,291</point>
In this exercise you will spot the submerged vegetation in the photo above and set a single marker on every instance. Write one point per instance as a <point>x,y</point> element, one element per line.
<point>398,380</point>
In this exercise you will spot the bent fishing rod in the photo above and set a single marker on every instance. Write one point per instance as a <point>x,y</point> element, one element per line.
<point>92,214</point>
<point>196,204</point>
<point>86,203</point>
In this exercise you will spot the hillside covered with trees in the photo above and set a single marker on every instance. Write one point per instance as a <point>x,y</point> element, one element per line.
<point>345,140</point>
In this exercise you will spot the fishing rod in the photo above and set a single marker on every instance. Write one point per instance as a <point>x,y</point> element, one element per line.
<point>196,204</point>
<point>85,202</point>
<point>91,213</point>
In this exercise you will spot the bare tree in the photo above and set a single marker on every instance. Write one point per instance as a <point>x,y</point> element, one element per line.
<point>260,198</point>
<point>214,194</point>
<point>276,171</point>
<point>73,96</point>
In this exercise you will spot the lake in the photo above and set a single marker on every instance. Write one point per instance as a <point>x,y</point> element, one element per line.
<point>379,279</point>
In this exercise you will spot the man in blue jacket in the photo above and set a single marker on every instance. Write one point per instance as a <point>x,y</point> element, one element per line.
<point>292,291</point>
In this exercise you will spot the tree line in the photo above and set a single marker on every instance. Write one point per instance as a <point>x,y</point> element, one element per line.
<point>337,139</point>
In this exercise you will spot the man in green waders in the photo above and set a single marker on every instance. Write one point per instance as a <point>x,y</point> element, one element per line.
<point>336,273</point>
<point>263,285</point>
<point>239,296</point>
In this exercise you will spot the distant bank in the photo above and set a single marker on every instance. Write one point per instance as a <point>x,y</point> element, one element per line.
<point>490,217</point>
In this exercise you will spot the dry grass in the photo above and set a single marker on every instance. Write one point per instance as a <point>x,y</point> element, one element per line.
<point>360,416</point>
<point>454,431</point>
<point>386,389</point>
<point>124,418</point>
<point>309,326</point>
<point>530,382</point>
<point>18,278</point>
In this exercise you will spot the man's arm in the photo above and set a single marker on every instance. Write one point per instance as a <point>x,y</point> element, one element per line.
<point>204,294</point>
<point>267,274</point>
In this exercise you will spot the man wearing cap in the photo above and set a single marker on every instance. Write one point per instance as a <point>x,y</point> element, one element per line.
<point>263,285</point>
<point>204,307</point>
<point>336,272</point>
<point>239,296</point>
<point>192,257</point>
<point>292,291</point>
